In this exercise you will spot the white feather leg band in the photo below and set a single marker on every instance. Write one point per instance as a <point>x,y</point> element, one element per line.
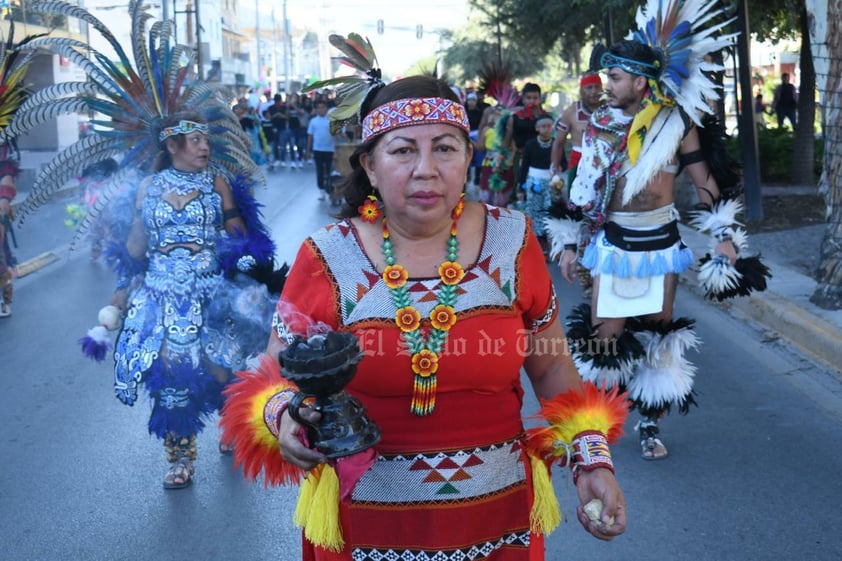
<point>664,376</point>
<point>561,231</point>
<point>604,376</point>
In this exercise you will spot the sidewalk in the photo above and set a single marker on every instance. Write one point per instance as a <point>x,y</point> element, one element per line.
<point>784,307</point>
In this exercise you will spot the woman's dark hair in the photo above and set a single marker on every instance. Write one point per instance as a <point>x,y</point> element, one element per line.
<point>356,186</point>
<point>164,158</point>
<point>101,170</point>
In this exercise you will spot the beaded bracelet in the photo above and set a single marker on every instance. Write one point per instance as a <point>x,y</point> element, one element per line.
<point>589,452</point>
<point>274,408</point>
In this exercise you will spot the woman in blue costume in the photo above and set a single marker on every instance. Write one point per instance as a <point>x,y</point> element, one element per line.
<point>177,339</point>
<point>186,238</point>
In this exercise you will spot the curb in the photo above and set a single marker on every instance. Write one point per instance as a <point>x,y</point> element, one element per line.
<point>783,308</point>
<point>39,261</point>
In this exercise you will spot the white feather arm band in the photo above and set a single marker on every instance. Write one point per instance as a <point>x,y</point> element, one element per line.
<point>561,232</point>
<point>720,219</point>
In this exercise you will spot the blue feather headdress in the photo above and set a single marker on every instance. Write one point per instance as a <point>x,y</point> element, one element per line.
<point>130,96</point>
<point>682,33</point>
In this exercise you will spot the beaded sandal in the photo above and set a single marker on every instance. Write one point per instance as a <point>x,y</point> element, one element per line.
<point>649,441</point>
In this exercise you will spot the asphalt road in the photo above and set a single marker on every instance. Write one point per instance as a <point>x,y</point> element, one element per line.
<point>753,472</point>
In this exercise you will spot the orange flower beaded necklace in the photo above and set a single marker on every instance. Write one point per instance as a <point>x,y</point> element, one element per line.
<point>425,342</point>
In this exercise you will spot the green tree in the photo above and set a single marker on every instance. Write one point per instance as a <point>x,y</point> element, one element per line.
<point>775,20</point>
<point>520,33</point>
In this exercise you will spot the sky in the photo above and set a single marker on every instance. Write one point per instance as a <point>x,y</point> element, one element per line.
<point>398,47</point>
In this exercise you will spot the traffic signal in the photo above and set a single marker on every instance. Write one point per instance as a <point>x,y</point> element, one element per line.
<point>380,27</point>
<point>419,31</point>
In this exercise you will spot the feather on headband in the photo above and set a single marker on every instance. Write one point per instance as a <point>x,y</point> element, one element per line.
<point>353,90</point>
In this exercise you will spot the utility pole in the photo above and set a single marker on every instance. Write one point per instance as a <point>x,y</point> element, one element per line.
<point>257,34</point>
<point>199,60</point>
<point>286,50</point>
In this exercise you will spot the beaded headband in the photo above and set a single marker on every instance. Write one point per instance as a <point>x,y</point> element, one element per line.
<point>183,127</point>
<point>414,111</point>
<point>609,60</point>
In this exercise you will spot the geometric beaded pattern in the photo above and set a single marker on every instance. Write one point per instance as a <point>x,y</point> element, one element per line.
<point>473,553</point>
<point>442,477</point>
<point>363,295</point>
<point>414,111</point>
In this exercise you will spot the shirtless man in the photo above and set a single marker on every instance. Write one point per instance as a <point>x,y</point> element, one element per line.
<point>624,187</point>
<point>572,124</point>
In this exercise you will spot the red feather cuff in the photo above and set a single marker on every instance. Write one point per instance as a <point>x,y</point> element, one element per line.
<point>244,424</point>
<point>575,412</point>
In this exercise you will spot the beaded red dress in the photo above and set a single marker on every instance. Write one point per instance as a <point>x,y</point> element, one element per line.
<point>454,484</point>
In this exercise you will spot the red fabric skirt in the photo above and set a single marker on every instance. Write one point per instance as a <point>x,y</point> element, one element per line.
<point>471,501</point>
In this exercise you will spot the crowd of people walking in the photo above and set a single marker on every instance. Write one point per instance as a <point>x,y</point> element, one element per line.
<point>454,203</point>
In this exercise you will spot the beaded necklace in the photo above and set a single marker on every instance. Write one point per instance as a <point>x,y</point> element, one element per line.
<point>425,342</point>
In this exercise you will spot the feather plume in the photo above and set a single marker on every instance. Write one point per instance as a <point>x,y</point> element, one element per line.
<point>665,377</point>
<point>496,81</point>
<point>61,168</point>
<point>573,412</point>
<point>131,96</point>
<point>96,343</point>
<point>351,91</point>
<point>676,30</point>
<point>243,425</point>
<point>598,360</point>
<point>13,66</point>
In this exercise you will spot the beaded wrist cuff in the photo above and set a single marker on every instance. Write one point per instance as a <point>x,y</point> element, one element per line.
<point>274,408</point>
<point>589,452</point>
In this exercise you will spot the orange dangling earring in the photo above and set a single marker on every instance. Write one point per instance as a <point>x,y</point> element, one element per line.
<point>370,210</point>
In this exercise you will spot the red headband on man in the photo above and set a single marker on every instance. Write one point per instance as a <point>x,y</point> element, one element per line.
<point>589,79</point>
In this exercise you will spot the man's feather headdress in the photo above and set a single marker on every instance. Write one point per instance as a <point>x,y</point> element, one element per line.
<point>682,33</point>
<point>130,98</point>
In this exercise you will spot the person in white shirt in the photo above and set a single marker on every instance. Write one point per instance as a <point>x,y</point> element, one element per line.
<point>320,146</point>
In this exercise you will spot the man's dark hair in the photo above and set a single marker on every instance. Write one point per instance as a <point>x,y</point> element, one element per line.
<point>530,87</point>
<point>634,50</point>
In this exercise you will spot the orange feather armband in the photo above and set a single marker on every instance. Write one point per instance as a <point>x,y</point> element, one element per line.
<point>250,417</point>
<point>581,424</point>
